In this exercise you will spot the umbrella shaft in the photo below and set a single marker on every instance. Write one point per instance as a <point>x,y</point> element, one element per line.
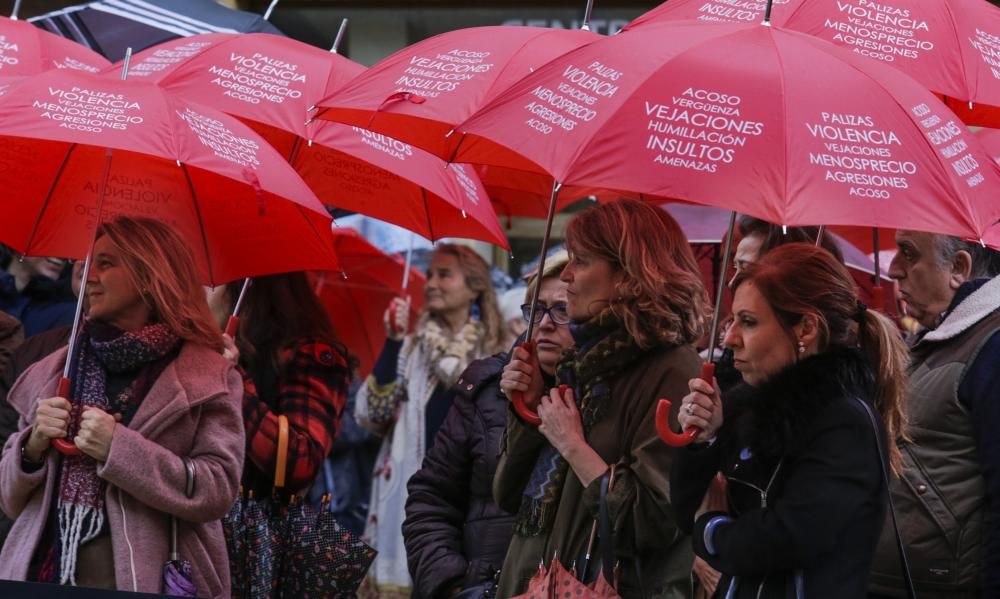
<point>541,259</point>
<point>724,270</point>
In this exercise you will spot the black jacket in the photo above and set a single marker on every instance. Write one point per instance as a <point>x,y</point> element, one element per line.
<point>805,483</point>
<point>454,532</point>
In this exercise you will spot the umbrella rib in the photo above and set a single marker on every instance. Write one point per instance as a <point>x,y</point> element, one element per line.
<point>308,220</point>
<point>958,42</point>
<point>783,202</point>
<point>48,198</point>
<point>427,213</point>
<point>201,224</point>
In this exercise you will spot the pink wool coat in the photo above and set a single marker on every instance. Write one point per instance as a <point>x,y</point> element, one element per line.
<point>191,411</point>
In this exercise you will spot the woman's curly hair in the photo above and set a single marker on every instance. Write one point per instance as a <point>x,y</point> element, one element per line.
<point>661,298</point>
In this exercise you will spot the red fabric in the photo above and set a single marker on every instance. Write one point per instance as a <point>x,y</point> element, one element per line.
<point>30,50</point>
<point>734,116</point>
<point>222,187</point>
<point>947,46</point>
<point>356,299</point>
<point>312,391</point>
<point>449,76</point>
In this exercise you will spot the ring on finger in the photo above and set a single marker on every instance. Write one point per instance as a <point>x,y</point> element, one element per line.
<point>689,409</point>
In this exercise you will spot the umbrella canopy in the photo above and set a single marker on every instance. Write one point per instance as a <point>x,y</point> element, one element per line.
<point>259,77</point>
<point>950,47</point>
<point>240,204</point>
<point>269,82</point>
<point>111,26</point>
<point>372,174</point>
<point>356,299</point>
<point>422,92</point>
<point>27,50</point>
<point>734,116</point>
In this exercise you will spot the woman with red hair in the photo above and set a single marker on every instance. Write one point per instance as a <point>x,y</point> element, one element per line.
<point>636,303</point>
<point>801,443</point>
<point>153,405</point>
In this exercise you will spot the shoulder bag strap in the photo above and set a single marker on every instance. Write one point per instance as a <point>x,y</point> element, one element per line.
<point>281,460</point>
<point>910,591</point>
<point>188,492</point>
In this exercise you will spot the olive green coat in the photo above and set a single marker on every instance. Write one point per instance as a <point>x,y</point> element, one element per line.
<point>639,503</point>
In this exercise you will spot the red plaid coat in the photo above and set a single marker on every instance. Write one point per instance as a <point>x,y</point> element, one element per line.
<point>312,390</point>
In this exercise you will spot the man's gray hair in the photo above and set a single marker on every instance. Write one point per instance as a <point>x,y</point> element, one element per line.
<point>985,261</point>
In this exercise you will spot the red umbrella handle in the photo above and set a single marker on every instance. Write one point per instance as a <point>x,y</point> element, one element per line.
<point>232,326</point>
<point>65,446</point>
<point>526,413</point>
<point>663,416</point>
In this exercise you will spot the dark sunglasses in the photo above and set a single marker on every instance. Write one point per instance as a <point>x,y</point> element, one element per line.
<point>557,313</point>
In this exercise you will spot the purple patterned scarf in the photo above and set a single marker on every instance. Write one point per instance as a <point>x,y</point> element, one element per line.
<point>100,349</point>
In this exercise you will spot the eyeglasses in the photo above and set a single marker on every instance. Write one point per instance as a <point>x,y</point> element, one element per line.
<point>557,313</point>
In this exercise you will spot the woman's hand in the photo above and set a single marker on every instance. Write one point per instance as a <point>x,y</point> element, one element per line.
<point>523,374</point>
<point>230,351</point>
<point>702,408</point>
<point>561,422</point>
<point>51,422</point>
<point>707,576</point>
<point>397,318</point>
<point>715,497</point>
<point>96,430</point>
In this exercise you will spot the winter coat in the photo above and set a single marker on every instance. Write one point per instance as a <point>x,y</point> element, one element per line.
<point>454,532</point>
<point>644,522</point>
<point>805,484</point>
<point>947,497</point>
<point>41,306</point>
<point>192,411</point>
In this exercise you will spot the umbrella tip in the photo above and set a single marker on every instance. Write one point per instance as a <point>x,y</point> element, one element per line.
<point>981,242</point>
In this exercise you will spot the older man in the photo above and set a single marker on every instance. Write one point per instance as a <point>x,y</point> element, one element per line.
<point>948,495</point>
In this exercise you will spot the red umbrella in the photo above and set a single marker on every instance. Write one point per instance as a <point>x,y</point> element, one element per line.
<point>952,47</point>
<point>270,81</point>
<point>244,209</point>
<point>259,77</point>
<point>734,116</point>
<point>422,92</point>
<point>28,50</point>
<point>356,298</point>
<point>707,225</point>
<point>209,176</point>
<point>372,174</point>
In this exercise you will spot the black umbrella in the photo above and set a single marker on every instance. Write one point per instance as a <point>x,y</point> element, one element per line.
<point>111,26</point>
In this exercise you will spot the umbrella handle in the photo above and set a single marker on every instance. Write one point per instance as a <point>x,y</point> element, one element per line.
<point>517,399</point>
<point>232,326</point>
<point>64,446</point>
<point>667,435</point>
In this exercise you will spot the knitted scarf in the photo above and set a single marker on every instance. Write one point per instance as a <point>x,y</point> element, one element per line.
<point>100,349</point>
<point>602,349</point>
<point>450,356</point>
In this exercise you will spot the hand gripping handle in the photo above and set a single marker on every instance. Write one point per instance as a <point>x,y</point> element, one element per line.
<point>527,414</point>
<point>667,435</point>
<point>65,446</point>
<point>232,326</point>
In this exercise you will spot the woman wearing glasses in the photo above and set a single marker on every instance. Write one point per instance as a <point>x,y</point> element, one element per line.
<point>637,303</point>
<point>456,536</point>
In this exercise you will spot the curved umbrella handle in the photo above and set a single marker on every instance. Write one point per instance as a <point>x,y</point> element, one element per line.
<point>667,435</point>
<point>527,414</point>
<point>65,446</point>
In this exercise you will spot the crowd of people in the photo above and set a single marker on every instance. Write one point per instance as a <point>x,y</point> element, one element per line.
<point>831,443</point>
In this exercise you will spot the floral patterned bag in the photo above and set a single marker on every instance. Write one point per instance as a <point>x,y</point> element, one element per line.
<point>289,548</point>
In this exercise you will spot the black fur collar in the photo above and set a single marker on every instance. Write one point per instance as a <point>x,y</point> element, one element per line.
<point>776,417</point>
